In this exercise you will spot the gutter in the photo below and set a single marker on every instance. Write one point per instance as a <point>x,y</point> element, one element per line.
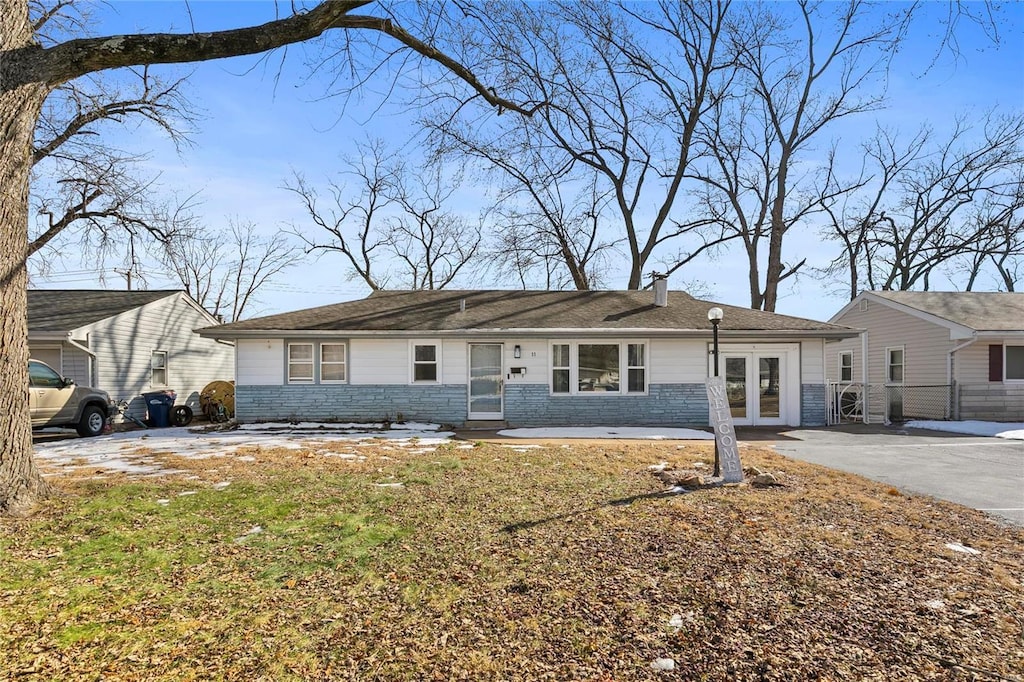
<point>763,334</point>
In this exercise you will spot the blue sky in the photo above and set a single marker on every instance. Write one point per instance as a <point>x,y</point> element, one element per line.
<point>257,129</point>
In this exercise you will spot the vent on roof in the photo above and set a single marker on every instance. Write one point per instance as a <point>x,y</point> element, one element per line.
<point>462,305</point>
<point>660,289</point>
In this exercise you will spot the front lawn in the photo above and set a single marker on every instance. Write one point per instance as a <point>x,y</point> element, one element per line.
<point>502,563</point>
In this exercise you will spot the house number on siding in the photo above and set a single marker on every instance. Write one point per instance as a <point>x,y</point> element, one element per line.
<point>725,434</point>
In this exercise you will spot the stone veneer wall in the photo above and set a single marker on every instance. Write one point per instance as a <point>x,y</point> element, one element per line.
<point>992,402</point>
<point>812,405</point>
<point>442,404</point>
<point>525,405</point>
<point>664,404</point>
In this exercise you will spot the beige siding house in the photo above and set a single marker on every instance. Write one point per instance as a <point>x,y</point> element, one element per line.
<point>128,342</point>
<point>934,355</point>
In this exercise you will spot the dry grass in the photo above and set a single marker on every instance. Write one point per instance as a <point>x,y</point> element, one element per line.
<point>560,563</point>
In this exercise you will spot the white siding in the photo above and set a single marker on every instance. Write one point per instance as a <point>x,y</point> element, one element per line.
<point>534,357</point>
<point>832,351</point>
<point>455,361</point>
<point>124,344</point>
<point>812,369</point>
<point>260,362</point>
<point>679,361</point>
<point>380,361</point>
<point>926,344</point>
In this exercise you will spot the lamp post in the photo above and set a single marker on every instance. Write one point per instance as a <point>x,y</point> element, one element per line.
<point>715,316</point>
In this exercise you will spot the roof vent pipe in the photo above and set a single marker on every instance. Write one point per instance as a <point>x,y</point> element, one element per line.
<point>660,289</point>
<point>462,305</point>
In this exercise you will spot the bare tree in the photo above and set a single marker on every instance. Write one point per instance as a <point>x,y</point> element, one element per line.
<point>33,63</point>
<point>1000,251</point>
<point>391,225</point>
<point>623,88</point>
<point>224,271</point>
<point>934,203</point>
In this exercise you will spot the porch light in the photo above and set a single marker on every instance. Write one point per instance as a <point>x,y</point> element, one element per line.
<point>517,351</point>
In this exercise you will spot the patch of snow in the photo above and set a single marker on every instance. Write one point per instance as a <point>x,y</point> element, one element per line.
<point>466,446</point>
<point>634,432</point>
<point>255,530</point>
<point>186,493</point>
<point>664,664</point>
<point>390,485</point>
<point>659,467</point>
<point>221,485</point>
<point>935,604</point>
<point>163,501</point>
<point>957,547</point>
<point>1012,431</point>
<point>676,621</point>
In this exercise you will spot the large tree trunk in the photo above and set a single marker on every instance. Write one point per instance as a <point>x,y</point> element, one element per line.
<point>20,482</point>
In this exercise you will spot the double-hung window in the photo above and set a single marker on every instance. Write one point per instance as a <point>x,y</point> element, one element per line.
<point>300,363</point>
<point>332,363</point>
<point>158,368</point>
<point>846,366</point>
<point>426,362</point>
<point>598,367</point>
<point>894,361</point>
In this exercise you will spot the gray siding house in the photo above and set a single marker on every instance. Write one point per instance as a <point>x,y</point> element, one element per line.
<point>127,342</point>
<point>932,354</point>
<point>526,358</point>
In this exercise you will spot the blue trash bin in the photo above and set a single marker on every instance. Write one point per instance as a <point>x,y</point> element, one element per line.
<point>159,404</point>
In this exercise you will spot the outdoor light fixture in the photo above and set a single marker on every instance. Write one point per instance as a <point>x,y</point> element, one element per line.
<point>715,316</point>
<point>517,352</point>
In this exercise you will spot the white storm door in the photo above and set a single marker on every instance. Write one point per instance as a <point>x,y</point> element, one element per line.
<point>486,381</point>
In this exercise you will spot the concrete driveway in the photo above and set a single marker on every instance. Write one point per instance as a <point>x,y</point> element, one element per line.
<point>983,473</point>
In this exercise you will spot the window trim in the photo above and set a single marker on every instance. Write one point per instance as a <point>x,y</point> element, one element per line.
<point>436,343</point>
<point>311,363</point>
<point>165,369</point>
<point>1006,364</point>
<point>319,373</point>
<point>839,359</point>
<point>903,366</point>
<point>574,366</point>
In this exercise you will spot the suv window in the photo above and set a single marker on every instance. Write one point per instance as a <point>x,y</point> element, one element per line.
<point>41,376</point>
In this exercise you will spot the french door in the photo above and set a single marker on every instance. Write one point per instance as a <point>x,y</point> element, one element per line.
<point>757,386</point>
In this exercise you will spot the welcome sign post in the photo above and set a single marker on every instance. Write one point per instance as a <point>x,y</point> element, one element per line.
<point>725,435</point>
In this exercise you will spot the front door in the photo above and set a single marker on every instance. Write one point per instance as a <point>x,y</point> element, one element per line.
<point>486,381</point>
<point>755,385</point>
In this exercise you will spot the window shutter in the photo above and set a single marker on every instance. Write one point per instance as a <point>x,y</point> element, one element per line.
<point>995,363</point>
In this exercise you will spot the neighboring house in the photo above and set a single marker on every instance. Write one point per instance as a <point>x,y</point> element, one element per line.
<point>526,358</point>
<point>936,355</point>
<point>127,342</point>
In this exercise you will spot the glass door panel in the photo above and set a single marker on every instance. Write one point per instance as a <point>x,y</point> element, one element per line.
<point>736,385</point>
<point>485,381</point>
<point>768,389</point>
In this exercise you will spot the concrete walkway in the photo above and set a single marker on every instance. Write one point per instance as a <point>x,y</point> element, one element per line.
<point>982,473</point>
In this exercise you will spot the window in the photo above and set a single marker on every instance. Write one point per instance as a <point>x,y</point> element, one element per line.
<point>635,366</point>
<point>158,368</point>
<point>332,363</point>
<point>41,376</point>
<point>560,368</point>
<point>894,365</point>
<point>598,367</point>
<point>300,363</point>
<point>590,368</point>
<point>1015,363</point>
<point>846,366</point>
<point>425,362</point>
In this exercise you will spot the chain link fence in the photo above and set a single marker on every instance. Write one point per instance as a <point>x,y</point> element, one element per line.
<point>874,403</point>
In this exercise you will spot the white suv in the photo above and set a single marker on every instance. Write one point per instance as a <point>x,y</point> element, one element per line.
<point>56,401</point>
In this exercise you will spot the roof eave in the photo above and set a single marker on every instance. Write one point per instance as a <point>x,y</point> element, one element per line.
<point>214,333</point>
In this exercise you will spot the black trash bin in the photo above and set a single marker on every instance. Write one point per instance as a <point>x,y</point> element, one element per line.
<point>159,404</point>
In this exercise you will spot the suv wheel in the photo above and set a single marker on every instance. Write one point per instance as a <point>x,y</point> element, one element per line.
<point>92,421</point>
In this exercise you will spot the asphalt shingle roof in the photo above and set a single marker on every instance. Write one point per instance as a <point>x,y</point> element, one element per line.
<point>978,310</point>
<point>434,311</point>
<point>61,310</point>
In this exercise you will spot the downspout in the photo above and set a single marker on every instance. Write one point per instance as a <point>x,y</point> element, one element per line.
<point>866,399</point>
<point>955,397</point>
